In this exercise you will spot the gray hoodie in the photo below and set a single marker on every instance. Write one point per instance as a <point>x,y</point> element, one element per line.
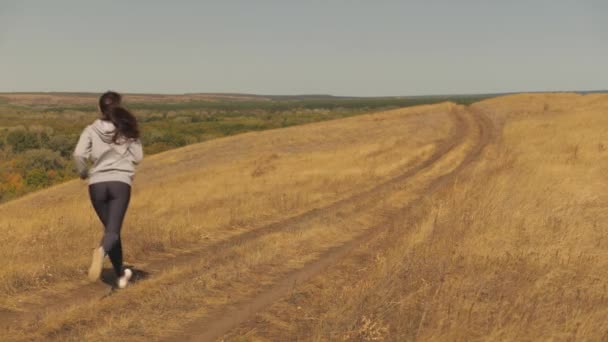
<point>111,162</point>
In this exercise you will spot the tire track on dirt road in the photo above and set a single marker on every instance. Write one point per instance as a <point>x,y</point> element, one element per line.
<point>219,252</point>
<point>211,329</point>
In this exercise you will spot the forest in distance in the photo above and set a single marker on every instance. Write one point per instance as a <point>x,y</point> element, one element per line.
<point>38,131</point>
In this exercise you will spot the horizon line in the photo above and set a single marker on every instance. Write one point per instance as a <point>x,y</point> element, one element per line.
<point>306,94</point>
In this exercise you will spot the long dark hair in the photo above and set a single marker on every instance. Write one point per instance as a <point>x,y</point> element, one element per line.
<point>124,121</point>
<point>108,100</point>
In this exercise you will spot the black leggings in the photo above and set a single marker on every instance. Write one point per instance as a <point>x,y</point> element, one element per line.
<point>111,200</point>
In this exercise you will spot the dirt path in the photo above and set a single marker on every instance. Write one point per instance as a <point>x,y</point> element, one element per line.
<point>82,292</point>
<point>221,252</point>
<point>226,319</point>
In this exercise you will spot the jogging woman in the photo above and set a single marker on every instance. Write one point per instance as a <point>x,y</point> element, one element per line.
<point>112,144</point>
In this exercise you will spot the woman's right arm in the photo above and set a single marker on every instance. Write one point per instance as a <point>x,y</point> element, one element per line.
<point>82,152</point>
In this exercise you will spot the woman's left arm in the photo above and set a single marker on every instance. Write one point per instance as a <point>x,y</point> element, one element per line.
<point>135,151</point>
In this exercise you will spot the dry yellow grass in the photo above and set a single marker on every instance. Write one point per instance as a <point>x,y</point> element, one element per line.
<point>509,247</point>
<point>514,249</point>
<point>196,196</point>
<point>215,189</point>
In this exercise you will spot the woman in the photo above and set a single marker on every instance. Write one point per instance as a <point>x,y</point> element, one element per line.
<point>112,144</point>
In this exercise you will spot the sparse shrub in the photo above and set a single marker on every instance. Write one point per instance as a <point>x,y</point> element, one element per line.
<point>37,178</point>
<point>62,144</point>
<point>21,140</point>
<point>43,159</point>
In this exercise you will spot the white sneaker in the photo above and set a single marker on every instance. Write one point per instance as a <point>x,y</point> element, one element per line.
<point>124,280</point>
<point>96,264</point>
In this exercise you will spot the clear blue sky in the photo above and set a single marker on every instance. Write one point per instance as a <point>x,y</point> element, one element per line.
<point>336,47</point>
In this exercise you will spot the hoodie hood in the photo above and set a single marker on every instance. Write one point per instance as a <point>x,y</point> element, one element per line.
<point>104,129</point>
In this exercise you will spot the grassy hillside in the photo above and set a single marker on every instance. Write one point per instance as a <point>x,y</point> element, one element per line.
<point>437,222</point>
<point>38,131</point>
<point>513,249</point>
